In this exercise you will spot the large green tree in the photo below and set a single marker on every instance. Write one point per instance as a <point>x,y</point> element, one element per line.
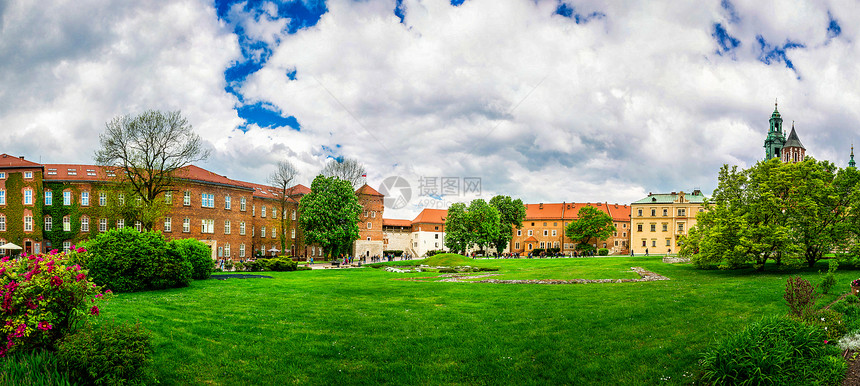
<point>329,215</point>
<point>145,152</point>
<point>591,223</point>
<point>475,225</point>
<point>511,214</point>
<point>457,237</point>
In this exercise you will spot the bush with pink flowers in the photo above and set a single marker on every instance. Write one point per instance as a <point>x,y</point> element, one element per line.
<point>42,298</point>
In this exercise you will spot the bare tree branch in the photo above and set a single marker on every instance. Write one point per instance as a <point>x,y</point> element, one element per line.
<point>282,179</point>
<point>347,169</point>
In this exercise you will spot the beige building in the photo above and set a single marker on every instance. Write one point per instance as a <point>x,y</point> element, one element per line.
<point>656,221</point>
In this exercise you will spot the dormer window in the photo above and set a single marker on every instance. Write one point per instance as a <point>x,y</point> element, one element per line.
<point>73,172</point>
<point>52,171</point>
<point>91,172</point>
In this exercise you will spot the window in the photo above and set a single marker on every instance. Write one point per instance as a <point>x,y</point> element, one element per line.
<point>643,243</point>
<point>67,245</point>
<point>544,224</point>
<point>665,212</point>
<point>519,232</point>
<point>369,225</point>
<point>653,212</point>
<point>49,198</point>
<point>186,225</point>
<point>668,243</point>
<point>227,202</point>
<point>2,177</point>
<point>639,227</point>
<point>186,198</point>
<point>85,224</point>
<point>242,204</point>
<point>653,243</point>
<point>263,232</point>
<point>207,226</point>
<point>138,226</point>
<point>623,234</point>
<point>49,223</point>
<point>121,198</point>
<point>604,245</point>
<point>653,227</point>
<point>640,212</point>
<point>436,228</point>
<point>682,212</point>
<point>680,227</point>
<point>67,198</point>
<point>72,172</point>
<point>120,223</point>
<point>554,232</point>
<point>274,213</point>
<point>665,227</point>
<point>373,214</point>
<point>207,200</point>
<point>242,228</point>
<point>437,235</point>
<point>168,226</point>
<point>530,246</point>
<point>542,244</point>
<point>274,232</point>
<point>242,250</point>
<point>517,246</point>
<point>263,211</point>
<point>2,197</point>
<point>28,223</point>
<point>253,231</point>
<point>294,215</point>
<point>168,197</point>
<point>28,196</point>
<point>253,210</point>
<point>102,198</point>
<point>91,172</point>
<point>531,232</point>
<point>227,249</point>
<point>67,224</point>
<point>28,175</point>
<point>293,233</point>
<point>226,227</point>
<point>102,225</point>
<point>85,198</point>
<point>545,232</point>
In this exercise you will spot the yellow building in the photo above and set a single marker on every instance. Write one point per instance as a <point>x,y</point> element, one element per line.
<point>656,221</point>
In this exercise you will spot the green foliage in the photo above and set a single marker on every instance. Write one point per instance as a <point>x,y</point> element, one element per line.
<point>126,260</point>
<point>280,264</point>
<point>448,260</point>
<point>395,252</point>
<point>329,215</point>
<point>850,311</point>
<point>829,278</point>
<point>196,252</point>
<point>603,252</point>
<point>800,296</point>
<point>433,252</point>
<point>14,185</point>
<point>33,368</point>
<point>591,223</point>
<point>478,224</point>
<point>109,353</point>
<point>775,350</point>
<point>830,322</point>
<point>511,214</point>
<point>43,298</point>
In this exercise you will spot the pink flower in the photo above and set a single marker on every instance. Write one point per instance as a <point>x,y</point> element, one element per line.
<point>826,341</point>
<point>108,292</point>
<point>56,281</point>
<point>99,295</point>
<point>44,326</point>
<point>81,250</point>
<point>94,310</point>
<point>53,252</point>
<point>81,276</point>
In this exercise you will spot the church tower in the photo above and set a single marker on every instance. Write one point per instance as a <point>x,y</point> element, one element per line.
<point>775,140</point>
<point>851,163</point>
<point>793,151</point>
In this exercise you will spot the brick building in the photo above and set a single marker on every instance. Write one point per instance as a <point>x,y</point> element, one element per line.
<point>47,206</point>
<point>544,224</point>
<point>370,232</point>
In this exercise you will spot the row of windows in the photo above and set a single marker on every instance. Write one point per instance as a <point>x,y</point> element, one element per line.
<point>654,243</point>
<point>665,227</point>
<point>682,212</point>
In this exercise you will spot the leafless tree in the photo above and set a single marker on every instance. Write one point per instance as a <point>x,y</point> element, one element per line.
<point>282,180</point>
<point>347,169</point>
<point>145,153</point>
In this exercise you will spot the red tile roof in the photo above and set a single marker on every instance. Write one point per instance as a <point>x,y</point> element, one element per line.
<point>366,189</point>
<point>531,239</point>
<point>570,211</point>
<point>72,172</point>
<point>9,161</point>
<point>431,216</point>
<point>393,222</point>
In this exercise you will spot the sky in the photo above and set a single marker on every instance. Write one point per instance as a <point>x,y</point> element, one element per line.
<point>543,100</point>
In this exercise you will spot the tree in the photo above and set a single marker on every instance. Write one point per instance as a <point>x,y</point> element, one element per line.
<point>511,214</point>
<point>282,179</point>
<point>457,237</point>
<point>329,215</point>
<point>346,169</point>
<point>591,223</point>
<point>145,152</point>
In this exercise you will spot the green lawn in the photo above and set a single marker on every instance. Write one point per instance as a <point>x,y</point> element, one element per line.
<point>359,326</point>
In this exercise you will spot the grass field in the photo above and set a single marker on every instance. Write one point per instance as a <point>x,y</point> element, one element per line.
<point>359,326</point>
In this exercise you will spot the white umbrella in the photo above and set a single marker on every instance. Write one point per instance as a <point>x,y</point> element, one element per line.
<point>273,249</point>
<point>9,246</point>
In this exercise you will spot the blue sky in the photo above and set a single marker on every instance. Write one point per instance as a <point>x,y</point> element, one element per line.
<point>545,100</point>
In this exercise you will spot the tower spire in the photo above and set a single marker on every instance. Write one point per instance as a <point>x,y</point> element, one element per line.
<point>851,163</point>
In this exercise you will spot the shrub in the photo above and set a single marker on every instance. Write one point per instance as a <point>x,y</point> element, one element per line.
<point>43,298</point>
<point>829,278</point>
<point>108,353</point>
<point>800,296</point>
<point>603,252</point>
<point>126,260</point>
<point>198,254</point>
<point>432,252</point>
<point>776,350</point>
<point>395,252</point>
<point>830,323</point>
<point>850,311</point>
<point>33,368</point>
<point>279,264</point>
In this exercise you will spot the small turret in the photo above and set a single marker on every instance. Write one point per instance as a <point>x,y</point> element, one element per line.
<point>851,163</point>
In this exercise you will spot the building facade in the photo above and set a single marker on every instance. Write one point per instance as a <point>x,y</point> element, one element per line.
<point>544,227</point>
<point>428,231</point>
<point>658,220</point>
<point>370,234</point>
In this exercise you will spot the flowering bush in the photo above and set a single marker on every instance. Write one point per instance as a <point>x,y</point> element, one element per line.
<point>43,297</point>
<point>855,283</point>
